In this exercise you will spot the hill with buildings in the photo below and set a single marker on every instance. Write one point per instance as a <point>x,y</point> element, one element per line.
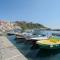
<point>6,26</point>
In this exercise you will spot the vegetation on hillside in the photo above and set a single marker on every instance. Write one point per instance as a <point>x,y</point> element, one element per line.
<point>24,25</point>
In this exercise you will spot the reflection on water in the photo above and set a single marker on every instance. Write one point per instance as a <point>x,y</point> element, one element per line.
<point>47,52</point>
<point>36,54</point>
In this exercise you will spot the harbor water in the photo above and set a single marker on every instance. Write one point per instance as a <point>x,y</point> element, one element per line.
<point>35,54</point>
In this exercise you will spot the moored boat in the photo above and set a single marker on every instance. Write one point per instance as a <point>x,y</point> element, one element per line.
<point>19,36</point>
<point>51,43</point>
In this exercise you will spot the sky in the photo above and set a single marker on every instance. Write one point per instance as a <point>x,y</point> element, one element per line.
<point>46,12</point>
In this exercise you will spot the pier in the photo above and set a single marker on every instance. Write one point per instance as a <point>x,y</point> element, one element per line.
<point>8,51</point>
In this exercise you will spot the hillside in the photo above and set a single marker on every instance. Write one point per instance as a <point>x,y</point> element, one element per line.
<point>24,25</point>
<point>6,26</point>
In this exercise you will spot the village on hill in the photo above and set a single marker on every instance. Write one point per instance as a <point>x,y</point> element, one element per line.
<point>6,26</point>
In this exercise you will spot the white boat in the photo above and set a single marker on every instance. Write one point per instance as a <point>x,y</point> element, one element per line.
<point>10,33</point>
<point>35,35</point>
<point>14,32</point>
<point>40,37</point>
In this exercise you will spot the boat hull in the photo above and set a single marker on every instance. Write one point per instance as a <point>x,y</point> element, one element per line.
<point>42,46</point>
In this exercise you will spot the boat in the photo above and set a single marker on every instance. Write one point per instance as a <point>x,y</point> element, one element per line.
<point>32,36</point>
<point>35,35</point>
<point>14,32</point>
<point>51,43</point>
<point>39,37</point>
<point>19,36</point>
<point>10,32</point>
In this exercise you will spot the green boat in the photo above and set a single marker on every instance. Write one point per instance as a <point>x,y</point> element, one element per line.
<point>51,43</point>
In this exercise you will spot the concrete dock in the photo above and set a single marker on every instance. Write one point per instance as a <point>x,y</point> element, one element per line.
<point>8,51</point>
